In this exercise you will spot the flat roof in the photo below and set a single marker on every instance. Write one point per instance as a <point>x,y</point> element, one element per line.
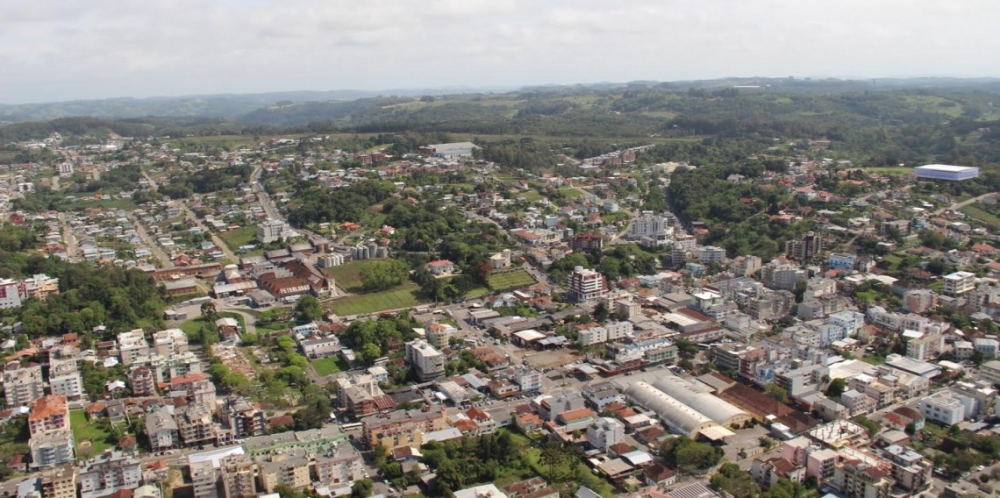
<point>529,335</point>
<point>946,167</point>
<point>716,432</point>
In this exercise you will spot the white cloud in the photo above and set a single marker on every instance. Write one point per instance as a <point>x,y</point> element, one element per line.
<point>62,49</point>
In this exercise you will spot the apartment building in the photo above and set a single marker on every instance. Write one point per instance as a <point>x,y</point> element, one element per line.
<point>428,362</point>
<point>339,466</point>
<point>402,428</point>
<point>205,479</point>
<point>245,418</point>
<point>58,482</point>
<point>958,283</point>
<point>48,450</point>
<point>65,380</point>
<point>237,475</point>
<point>195,425</point>
<point>109,472</point>
<point>142,382</point>
<point>23,385</point>
<point>132,347</point>
<point>605,432</point>
<point>289,469</point>
<point>942,407</point>
<point>49,414</point>
<point>587,285</point>
<point>162,431</point>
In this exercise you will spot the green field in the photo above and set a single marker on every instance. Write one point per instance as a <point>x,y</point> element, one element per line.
<point>239,237</point>
<point>885,170</point>
<point>328,366</point>
<point>84,430</point>
<point>477,292</point>
<point>570,193</point>
<point>348,275</point>
<point>974,211</point>
<point>530,196</point>
<point>403,296</point>
<point>512,280</point>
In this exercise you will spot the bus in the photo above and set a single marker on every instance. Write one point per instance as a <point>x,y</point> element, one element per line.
<point>350,426</point>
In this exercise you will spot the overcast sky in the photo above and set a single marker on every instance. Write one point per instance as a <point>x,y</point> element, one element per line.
<point>69,49</point>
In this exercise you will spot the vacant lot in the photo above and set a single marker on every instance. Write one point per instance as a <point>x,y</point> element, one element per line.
<point>974,211</point>
<point>570,193</point>
<point>403,296</point>
<point>885,170</point>
<point>328,366</point>
<point>239,237</point>
<point>348,275</point>
<point>512,280</point>
<point>84,431</point>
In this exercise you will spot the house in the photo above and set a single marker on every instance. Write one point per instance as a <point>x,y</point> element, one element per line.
<point>658,475</point>
<point>441,267</point>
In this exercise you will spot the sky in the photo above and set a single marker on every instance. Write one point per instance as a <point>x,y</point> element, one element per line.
<point>53,50</point>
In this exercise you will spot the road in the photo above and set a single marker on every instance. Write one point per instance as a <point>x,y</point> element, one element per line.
<point>189,214</point>
<point>69,238</point>
<point>154,247</point>
<point>959,205</point>
<point>262,196</point>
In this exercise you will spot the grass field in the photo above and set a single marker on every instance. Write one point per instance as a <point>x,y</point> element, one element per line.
<point>403,296</point>
<point>980,214</point>
<point>886,170</point>
<point>347,276</point>
<point>239,237</point>
<point>83,430</point>
<point>477,292</point>
<point>512,280</point>
<point>329,366</point>
<point>570,193</point>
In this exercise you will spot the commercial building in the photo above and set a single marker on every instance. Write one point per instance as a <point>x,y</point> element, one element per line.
<point>943,407</point>
<point>428,362</point>
<point>692,395</point>
<point>946,172</point>
<point>677,416</point>
<point>587,285</point>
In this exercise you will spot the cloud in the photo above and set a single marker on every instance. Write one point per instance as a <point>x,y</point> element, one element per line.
<point>65,49</point>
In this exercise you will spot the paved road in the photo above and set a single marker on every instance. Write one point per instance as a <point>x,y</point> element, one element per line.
<point>154,247</point>
<point>69,238</point>
<point>189,214</point>
<point>959,205</point>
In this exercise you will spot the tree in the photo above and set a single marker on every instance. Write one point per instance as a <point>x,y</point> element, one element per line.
<point>601,312</point>
<point>689,455</point>
<point>734,481</point>
<point>786,488</point>
<point>369,353</point>
<point>382,275</point>
<point>777,392</point>
<point>836,388</point>
<point>308,309</point>
<point>208,311</point>
<point>361,489</point>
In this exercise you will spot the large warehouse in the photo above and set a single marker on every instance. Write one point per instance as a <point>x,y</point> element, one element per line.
<point>677,416</point>
<point>720,411</point>
<point>946,172</point>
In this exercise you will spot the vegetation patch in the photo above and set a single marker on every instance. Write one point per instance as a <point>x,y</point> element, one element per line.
<point>403,296</point>
<point>86,432</point>
<point>329,366</point>
<point>512,280</point>
<point>240,237</point>
<point>980,214</point>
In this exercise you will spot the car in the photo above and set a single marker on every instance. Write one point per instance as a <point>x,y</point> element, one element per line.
<point>981,468</point>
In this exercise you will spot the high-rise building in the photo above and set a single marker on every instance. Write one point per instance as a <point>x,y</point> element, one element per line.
<point>958,283</point>
<point>22,386</point>
<point>142,382</point>
<point>205,479</point>
<point>59,482</point>
<point>587,285</point>
<point>237,477</point>
<point>805,249</point>
<point>271,230</point>
<point>109,472</point>
<point>64,379</point>
<point>428,362</point>
<point>48,415</point>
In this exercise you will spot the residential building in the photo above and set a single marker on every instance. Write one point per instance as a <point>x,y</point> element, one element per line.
<point>958,283</point>
<point>856,478</point>
<point>23,385</point>
<point>986,346</point>
<point>109,472</point>
<point>402,428</point>
<point>441,267</point>
<point>805,249</point>
<point>943,407</point>
<point>857,402</point>
<point>339,466</point>
<point>990,371</point>
<point>650,225</point>
<point>271,230</point>
<point>48,450</point>
<point>919,300</point>
<point>245,418</point>
<point>65,380</point>
<point>59,482</point>
<point>711,255</point>
<point>605,432</point>
<point>288,469</point>
<point>195,425</point>
<point>49,414</point>
<point>132,347</point>
<point>840,261</point>
<point>205,479</point>
<point>587,285</point>
<point>428,362</point>
<point>161,429</point>
<point>237,475</point>
<point>609,332</point>
<point>142,382</point>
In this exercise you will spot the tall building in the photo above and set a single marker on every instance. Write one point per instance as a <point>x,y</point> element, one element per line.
<point>132,347</point>
<point>587,285</point>
<point>237,477</point>
<point>48,415</point>
<point>64,379</point>
<point>142,382</point>
<point>271,230</point>
<point>245,417</point>
<point>958,283</point>
<point>805,249</point>
<point>109,472</point>
<point>289,469</point>
<point>23,385</point>
<point>339,466</point>
<point>48,450</point>
<point>59,482</point>
<point>649,224</point>
<point>605,432</point>
<point>426,361</point>
<point>205,479</point>
<point>710,254</point>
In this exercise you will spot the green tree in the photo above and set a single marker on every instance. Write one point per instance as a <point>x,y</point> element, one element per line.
<point>361,489</point>
<point>308,310</point>
<point>786,488</point>
<point>734,481</point>
<point>836,388</point>
<point>382,275</point>
<point>777,392</point>
<point>208,311</point>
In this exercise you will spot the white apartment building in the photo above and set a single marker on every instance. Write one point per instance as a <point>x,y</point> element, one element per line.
<point>649,225</point>
<point>958,283</point>
<point>988,347</point>
<point>22,386</point>
<point>271,230</point>
<point>587,285</point>
<point>132,347</point>
<point>605,432</point>
<point>943,407</point>
<point>427,361</point>
<point>711,254</point>
<point>609,332</point>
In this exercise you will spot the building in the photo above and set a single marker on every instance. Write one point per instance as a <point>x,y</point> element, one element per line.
<point>711,255</point>
<point>805,249</point>
<point>271,230</point>
<point>402,428</point>
<point>676,416</point>
<point>195,425</point>
<point>650,225</point>
<point>587,285</point>
<point>288,469</point>
<point>857,478</point>
<point>988,347</point>
<point>142,382</point>
<point>65,380</point>
<point>450,150</point>
<point>53,449</point>
<point>339,466</point>
<point>161,429</point>
<point>943,407</point>
<point>946,172</point>
<point>441,267</point>
<point>22,386</point>
<point>958,283</point>
<point>59,482</point>
<point>237,475</point>
<point>205,479</point>
<point>990,371</point>
<point>245,418</point>
<point>109,472</point>
<point>428,362</point>
<point>841,261</point>
<point>132,347</point>
<point>609,332</point>
<point>605,432</point>
<point>48,415</point>
<point>715,408</point>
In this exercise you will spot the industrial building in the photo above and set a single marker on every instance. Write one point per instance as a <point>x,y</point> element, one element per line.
<point>716,409</point>
<point>946,172</point>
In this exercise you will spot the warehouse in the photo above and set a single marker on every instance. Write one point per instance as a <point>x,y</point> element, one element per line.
<point>946,172</point>
<point>677,416</point>
<point>716,409</point>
